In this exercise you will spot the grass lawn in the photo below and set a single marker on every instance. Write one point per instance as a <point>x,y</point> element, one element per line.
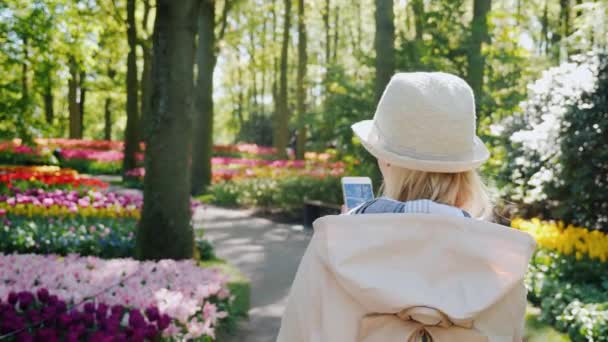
<point>537,331</point>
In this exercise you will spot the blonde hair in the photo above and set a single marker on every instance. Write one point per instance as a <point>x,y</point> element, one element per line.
<point>465,190</point>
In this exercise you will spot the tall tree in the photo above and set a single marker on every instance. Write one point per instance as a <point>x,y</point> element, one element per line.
<point>325,16</point>
<point>24,71</point>
<point>73,105</point>
<point>281,131</point>
<point>301,82</point>
<point>82,97</point>
<point>107,115</point>
<point>131,135</point>
<point>164,230</point>
<point>479,35</point>
<point>146,76</point>
<point>336,34</point>
<point>47,95</point>
<point>206,57</point>
<point>419,18</point>
<point>384,43</point>
<point>107,129</point>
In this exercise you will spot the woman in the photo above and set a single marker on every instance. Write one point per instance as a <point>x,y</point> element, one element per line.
<point>416,266</point>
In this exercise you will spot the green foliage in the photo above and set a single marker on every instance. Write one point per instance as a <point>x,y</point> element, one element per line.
<point>92,166</point>
<point>286,194</point>
<point>9,158</point>
<point>572,294</point>
<point>106,238</point>
<point>530,149</point>
<point>204,249</point>
<point>582,190</point>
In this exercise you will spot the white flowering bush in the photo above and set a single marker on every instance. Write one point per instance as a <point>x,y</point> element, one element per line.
<point>532,136</point>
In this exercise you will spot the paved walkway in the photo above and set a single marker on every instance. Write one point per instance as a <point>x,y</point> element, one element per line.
<point>267,252</point>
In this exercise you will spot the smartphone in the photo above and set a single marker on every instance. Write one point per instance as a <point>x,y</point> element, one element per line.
<point>356,190</point>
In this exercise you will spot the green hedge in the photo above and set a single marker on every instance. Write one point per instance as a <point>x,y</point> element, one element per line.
<point>92,167</point>
<point>572,294</point>
<point>285,194</point>
<point>90,236</point>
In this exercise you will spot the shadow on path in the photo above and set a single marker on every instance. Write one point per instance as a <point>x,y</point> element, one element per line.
<point>267,252</point>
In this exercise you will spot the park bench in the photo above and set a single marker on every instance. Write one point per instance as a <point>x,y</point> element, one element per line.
<point>313,209</point>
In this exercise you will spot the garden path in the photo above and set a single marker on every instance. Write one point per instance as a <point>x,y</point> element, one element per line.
<point>267,252</point>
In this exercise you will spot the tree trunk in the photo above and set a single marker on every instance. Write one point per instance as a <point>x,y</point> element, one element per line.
<point>419,19</point>
<point>564,21</point>
<point>24,72</point>
<point>203,105</point>
<point>131,139</point>
<point>384,45</point>
<point>325,16</point>
<point>479,35</point>
<point>82,92</point>
<point>146,75</point>
<point>164,230</point>
<point>545,29</point>
<point>301,82</point>
<point>253,67</point>
<point>107,129</point>
<point>282,111</point>
<point>49,112</point>
<point>73,106</point>
<point>275,65</point>
<point>336,33</point>
<point>264,68</point>
<point>145,85</point>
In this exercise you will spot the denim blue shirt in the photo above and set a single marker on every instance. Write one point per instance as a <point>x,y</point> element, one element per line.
<point>422,206</point>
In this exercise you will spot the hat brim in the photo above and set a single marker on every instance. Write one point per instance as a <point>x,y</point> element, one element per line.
<point>479,154</point>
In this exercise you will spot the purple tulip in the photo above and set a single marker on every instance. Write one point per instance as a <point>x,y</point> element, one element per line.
<point>89,319</point>
<point>64,320</point>
<point>24,336</point>
<point>97,336</point>
<point>61,307</point>
<point>34,315</point>
<point>25,299</point>
<point>152,313</point>
<point>53,300</point>
<point>163,322</point>
<point>117,310</point>
<point>72,336</point>
<point>112,325</point>
<point>150,331</point>
<point>120,337</point>
<point>89,307</point>
<point>102,311</point>
<point>13,298</point>
<point>48,312</point>
<point>136,320</point>
<point>75,315</point>
<point>43,295</point>
<point>139,335</point>
<point>47,335</point>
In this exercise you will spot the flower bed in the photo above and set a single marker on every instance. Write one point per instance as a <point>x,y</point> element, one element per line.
<point>227,169</point>
<point>185,300</point>
<point>286,194</point>
<point>568,278</point>
<point>101,237</point>
<point>38,202</point>
<point>101,156</point>
<point>45,177</point>
<point>81,144</point>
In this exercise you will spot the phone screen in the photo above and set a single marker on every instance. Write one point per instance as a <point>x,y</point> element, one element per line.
<point>357,193</point>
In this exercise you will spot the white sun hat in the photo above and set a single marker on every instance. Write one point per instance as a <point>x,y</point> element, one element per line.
<point>425,121</point>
